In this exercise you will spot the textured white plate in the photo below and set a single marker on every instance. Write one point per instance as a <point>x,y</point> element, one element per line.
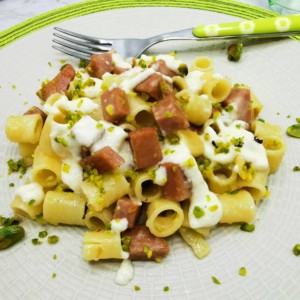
<point>271,69</point>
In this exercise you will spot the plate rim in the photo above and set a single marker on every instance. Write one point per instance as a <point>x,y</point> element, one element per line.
<point>229,7</point>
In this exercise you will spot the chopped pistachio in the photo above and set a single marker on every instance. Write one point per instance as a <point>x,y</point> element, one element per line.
<point>14,220</point>
<point>31,202</point>
<point>36,242</point>
<point>53,239</point>
<point>54,256</point>
<point>66,168</point>
<point>247,227</point>
<point>198,212</point>
<point>296,249</point>
<point>234,51</point>
<point>294,130</point>
<point>137,288</point>
<point>54,275</point>
<point>61,140</point>
<point>110,109</point>
<point>11,184</point>
<point>189,162</point>
<point>296,169</point>
<point>83,63</point>
<point>243,271</point>
<point>43,234</point>
<point>166,289</point>
<point>16,166</point>
<point>215,280</point>
<point>126,243</point>
<point>213,208</point>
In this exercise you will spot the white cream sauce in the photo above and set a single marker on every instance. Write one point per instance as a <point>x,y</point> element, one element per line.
<point>194,81</point>
<point>31,193</point>
<point>125,273</point>
<point>251,151</point>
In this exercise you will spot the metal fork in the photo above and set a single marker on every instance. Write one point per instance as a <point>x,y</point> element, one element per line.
<point>82,46</point>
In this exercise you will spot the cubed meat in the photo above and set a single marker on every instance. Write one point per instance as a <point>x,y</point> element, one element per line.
<point>100,64</point>
<point>242,98</point>
<point>169,115</point>
<point>177,187</point>
<point>104,160</point>
<point>59,84</point>
<point>115,105</point>
<point>155,86</point>
<point>126,208</point>
<point>144,245</point>
<point>145,146</point>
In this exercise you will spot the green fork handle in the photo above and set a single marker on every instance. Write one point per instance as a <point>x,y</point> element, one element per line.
<point>257,26</point>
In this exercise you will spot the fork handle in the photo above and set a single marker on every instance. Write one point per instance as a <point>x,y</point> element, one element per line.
<point>256,26</point>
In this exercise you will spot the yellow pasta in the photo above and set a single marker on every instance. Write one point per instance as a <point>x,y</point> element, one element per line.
<point>46,170</point>
<point>45,140</point>
<point>237,207</point>
<point>275,149</point>
<point>24,129</point>
<point>102,244</point>
<point>140,112</point>
<point>97,220</point>
<point>64,208</point>
<point>202,63</point>
<point>257,186</point>
<point>217,89</point>
<point>108,190</point>
<point>22,208</point>
<point>198,108</point>
<point>221,178</point>
<point>193,141</point>
<point>144,188</point>
<point>164,217</point>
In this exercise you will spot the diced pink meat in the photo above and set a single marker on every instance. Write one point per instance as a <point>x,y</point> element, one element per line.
<point>115,105</point>
<point>177,187</point>
<point>104,160</point>
<point>100,64</point>
<point>145,146</point>
<point>155,86</point>
<point>34,110</point>
<point>242,98</point>
<point>126,208</point>
<point>59,84</point>
<point>144,245</point>
<point>169,115</point>
<point>161,67</point>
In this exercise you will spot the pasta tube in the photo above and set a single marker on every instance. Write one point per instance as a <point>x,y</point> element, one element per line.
<point>96,220</point>
<point>102,244</point>
<point>164,217</point>
<point>24,209</point>
<point>24,129</point>
<point>46,170</point>
<point>239,207</point>
<point>64,208</point>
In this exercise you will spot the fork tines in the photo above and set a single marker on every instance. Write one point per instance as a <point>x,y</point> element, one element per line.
<point>82,46</point>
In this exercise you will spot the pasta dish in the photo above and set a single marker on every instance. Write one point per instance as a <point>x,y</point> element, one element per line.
<point>139,149</point>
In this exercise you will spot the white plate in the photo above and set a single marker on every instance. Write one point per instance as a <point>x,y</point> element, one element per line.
<point>271,69</point>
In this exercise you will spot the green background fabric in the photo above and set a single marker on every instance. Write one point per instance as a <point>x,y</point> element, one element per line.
<point>229,7</point>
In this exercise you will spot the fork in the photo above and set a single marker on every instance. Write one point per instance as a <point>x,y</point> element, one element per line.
<point>82,46</point>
